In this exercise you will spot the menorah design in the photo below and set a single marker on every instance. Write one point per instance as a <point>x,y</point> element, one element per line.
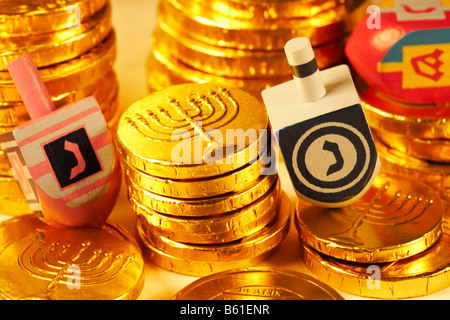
<point>383,209</point>
<point>178,118</point>
<point>51,262</point>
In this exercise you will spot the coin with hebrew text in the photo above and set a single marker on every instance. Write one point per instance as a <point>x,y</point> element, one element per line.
<point>258,283</point>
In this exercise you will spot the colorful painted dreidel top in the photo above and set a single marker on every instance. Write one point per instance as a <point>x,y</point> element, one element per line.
<point>402,49</point>
<point>321,130</point>
<point>65,160</point>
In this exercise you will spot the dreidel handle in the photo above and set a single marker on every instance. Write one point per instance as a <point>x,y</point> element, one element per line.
<point>31,88</point>
<point>305,71</point>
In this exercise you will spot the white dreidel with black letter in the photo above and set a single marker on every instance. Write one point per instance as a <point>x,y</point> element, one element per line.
<point>321,130</point>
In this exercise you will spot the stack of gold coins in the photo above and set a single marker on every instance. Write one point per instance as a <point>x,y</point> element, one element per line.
<point>195,159</point>
<point>411,139</point>
<point>385,245</point>
<point>73,44</point>
<point>241,43</point>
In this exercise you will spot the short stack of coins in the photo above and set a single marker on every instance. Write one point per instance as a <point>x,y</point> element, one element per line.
<point>204,196</point>
<point>73,44</point>
<point>389,244</point>
<point>412,140</point>
<point>240,43</point>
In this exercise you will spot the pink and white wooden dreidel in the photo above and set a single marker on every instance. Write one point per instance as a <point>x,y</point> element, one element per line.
<point>65,160</point>
<point>321,130</point>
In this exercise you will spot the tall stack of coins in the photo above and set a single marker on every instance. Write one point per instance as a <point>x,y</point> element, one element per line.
<point>389,244</point>
<point>73,44</point>
<point>196,167</point>
<point>240,43</point>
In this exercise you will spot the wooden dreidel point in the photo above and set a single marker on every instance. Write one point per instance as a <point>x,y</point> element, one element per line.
<point>321,130</point>
<point>64,160</point>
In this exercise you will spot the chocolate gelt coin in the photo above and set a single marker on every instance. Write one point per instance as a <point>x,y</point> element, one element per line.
<point>40,262</point>
<point>226,227</point>
<point>419,275</point>
<point>201,206</point>
<point>396,218</point>
<point>253,245</point>
<point>192,131</point>
<point>258,283</point>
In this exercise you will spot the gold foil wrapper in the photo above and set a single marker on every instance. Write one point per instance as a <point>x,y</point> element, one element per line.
<point>433,150</point>
<point>258,284</point>
<point>226,227</point>
<point>419,275</point>
<point>178,132</point>
<point>435,174</point>
<point>39,262</point>
<point>418,121</point>
<point>202,206</point>
<point>49,49</point>
<point>205,259</point>
<point>29,17</point>
<point>191,211</point>
<point>253,245</point>
<point>397,218</point>
<point>240,44</point>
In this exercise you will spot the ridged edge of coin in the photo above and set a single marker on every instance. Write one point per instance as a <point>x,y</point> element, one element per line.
<point>271,236</point>
<point>227,227</point>
<point>201,207</point>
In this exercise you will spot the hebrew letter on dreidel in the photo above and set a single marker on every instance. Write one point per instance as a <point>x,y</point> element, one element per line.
<point>64,160</point>
<point>322,130</point>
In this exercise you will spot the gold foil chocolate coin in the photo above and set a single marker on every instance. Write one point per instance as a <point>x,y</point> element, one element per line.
<point>434,150</point>
<point>433,173</point>
<point>197,188</point>
<point>258,283</point>
<point>68,263</point>
<point>201,206</point>
<point>398,217</point>
<point>226,227</point>
<point>164,72</point>
<point>267,25</point>
<point>49,49</point>
<point>430,121</point>
<point>197,268</point>
<point>25,17</point>
<point>192,131</point>
<point>253,245</point>
<point>78,72</point>
<point>416,276</point>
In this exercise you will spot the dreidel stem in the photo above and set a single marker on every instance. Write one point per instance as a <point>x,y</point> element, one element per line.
<point>31,88</point>
<point>305,71</point>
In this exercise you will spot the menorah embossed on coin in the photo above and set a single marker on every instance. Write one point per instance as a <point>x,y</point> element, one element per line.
<point>52,262</point>
<point>195,114</point>
<point>382,210</point>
